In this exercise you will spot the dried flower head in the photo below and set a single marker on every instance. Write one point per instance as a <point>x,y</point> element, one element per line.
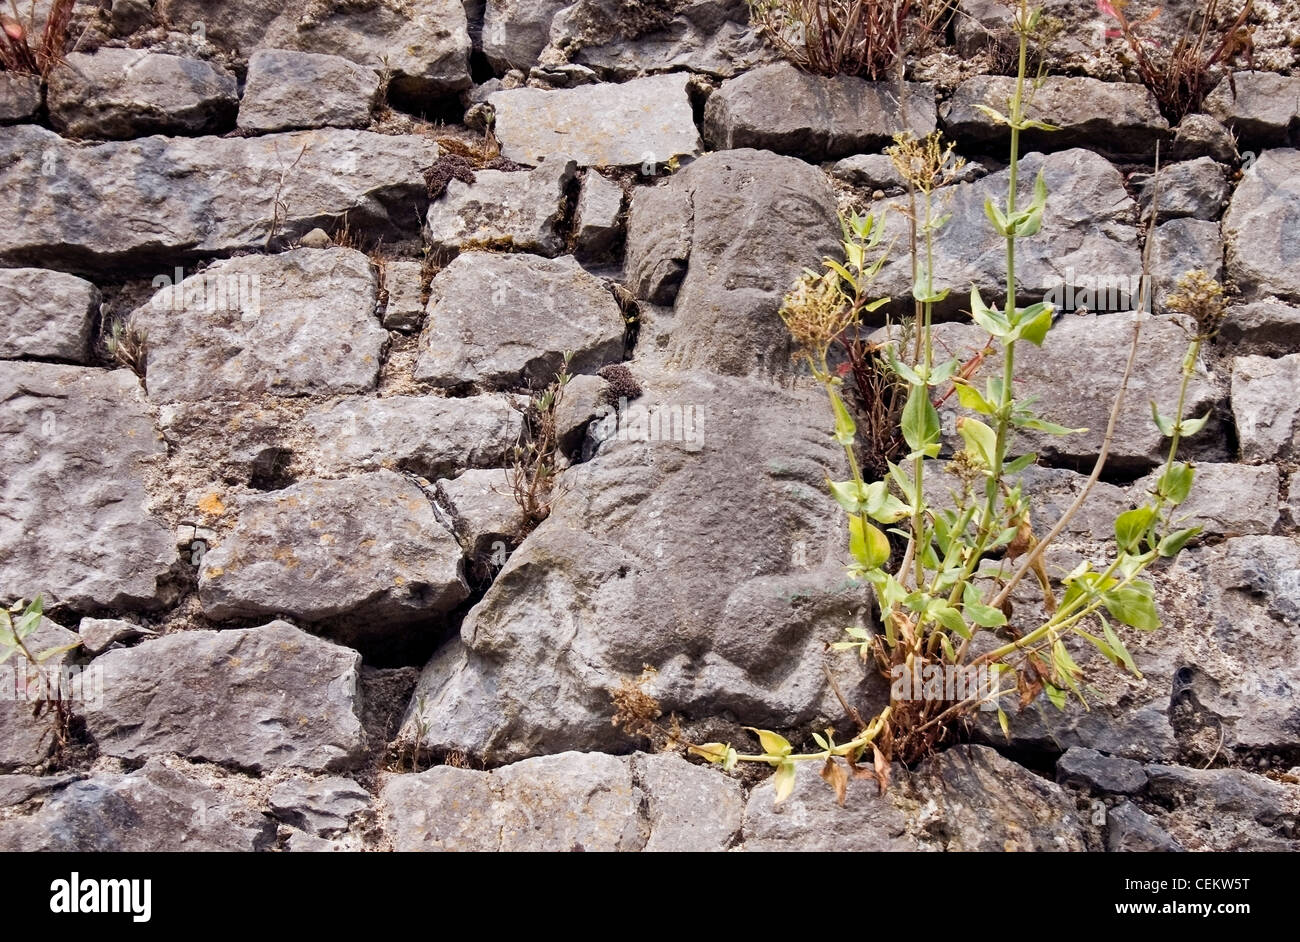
<point>816,311</point>
<point>1199,297</point>
<point>924,162</point>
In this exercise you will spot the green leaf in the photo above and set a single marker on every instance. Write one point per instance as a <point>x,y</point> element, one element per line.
<point>1036,322</point>
<point>849,495</point>
<point>882,506</point>
<point>48,653</point>
<point>842,272</point>
<point>1019,464</point>
<point>1032,219</point>
<point>950,618</point>
<point>1165,426</point>
<point>1002,721</point>
<point>1057,696</point>
<point>943,372</point>
<point>970,398</point>
<point>909,375</point>
<point>1118,647</point>
<point>903,482</point>
<point>1192,426</point>
<point>783,781</point>
<point>1131,526</point>
<point>845,427</point>
<point>1134,605</point>
<point>773,744</point>
<point>996,217</point>
<point>986,616</point>
<point>981,441</point>
<point>1175,482</point>
<point>920,420</point>
<point>868,545</point>
<point>1042,425</point>
<point>997,117</point>
<point>1034,123</point>
<point>1173,544</point>
<point>992,321</point>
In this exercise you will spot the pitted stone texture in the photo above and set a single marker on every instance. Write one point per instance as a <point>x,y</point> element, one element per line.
<point>121,93</point>
<point>300,323</point>
<point>428,435</point>
<point>643,120</point>
<point>568,802</point>
<point>627,570</point>
<point>724,239</point>
<point>1260,224</point>
<point>425,45</point>
<point>504,320</point>
<point>364,552</point>
<point>782,109</point>
<point>45,314</point>
<point>506,211</point>
<point>287,90</point>
<point>1119,119</point>
<point>256,698</point>
<point>178,198</point>
<point>74,520</point>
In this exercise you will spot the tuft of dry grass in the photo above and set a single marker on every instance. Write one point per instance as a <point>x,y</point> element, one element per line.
<point>16,51</point>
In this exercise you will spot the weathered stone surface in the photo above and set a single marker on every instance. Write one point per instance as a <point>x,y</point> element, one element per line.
<point>1183,245</point>
<point>1265,407</point>
<point>568,802</point>
<point>1076,374</point>
<point>130,15</point>
<point>428,435</point>
<point>16,789</point>
<point>257,698</point>
<point>1088,236</point>
<point>1130,829</point>
<point>1262,328</point>
<point>1226,499</point>
<point>1226,809</point>
<point>426,45</point>
<point>27,740</point>
<point>286,90</point>
<point>121,93</point>
<point>780,108</point>
<point>1260,224</point>
<point>483,510</point>
<point>182,197</point>
<point>154,809</point>
<point>294,324</point>
<point>1197,188</point>
<point>598,226</point>
<point>972,799</point>
<point>518,330</point>
<point>745,593</point>
<point>1113,117</point>
<point>618,42</point>
<point>510,211</point>
<point>75,526</point>
<point>98,634</point>
<point>733,230</point>
<point>516,31</point>
<point>1088,768</point>
<point>1263,109</point>
<point>404,282</point>
<point>872,171</point>
<point>20,96</point>
<point>1199,135</point>
<point>366,551</point>
<point>644,120</point>
<point>811,820</point>
<point>45,314</point>
<point>966,798</point>
<point>322,807</point>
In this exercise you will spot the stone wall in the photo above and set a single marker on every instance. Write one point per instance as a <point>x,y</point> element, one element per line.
<point>312,615</point>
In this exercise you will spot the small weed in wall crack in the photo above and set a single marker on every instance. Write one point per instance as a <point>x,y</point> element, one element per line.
<point>533,469</point>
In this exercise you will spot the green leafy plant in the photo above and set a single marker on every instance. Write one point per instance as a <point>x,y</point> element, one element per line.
<point>18,624</point>
<point>865,38</point>
<point>945,606</point>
